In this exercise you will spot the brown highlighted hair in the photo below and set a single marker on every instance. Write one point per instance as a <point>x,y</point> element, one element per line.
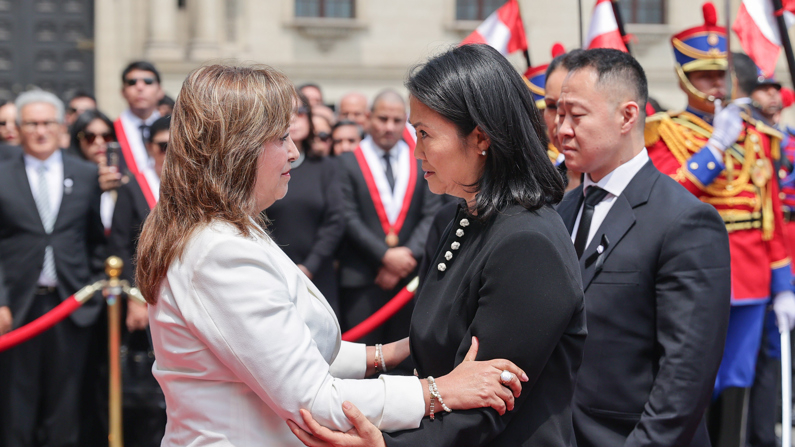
<point>222,118</point>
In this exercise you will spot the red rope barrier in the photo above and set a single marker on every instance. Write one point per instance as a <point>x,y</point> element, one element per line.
<point>381,315</point>
<point>39,325</point>
<point>50,319</point>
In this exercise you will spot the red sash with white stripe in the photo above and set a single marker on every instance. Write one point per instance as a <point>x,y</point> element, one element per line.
<point>129,159</point>
<point>389,229</point>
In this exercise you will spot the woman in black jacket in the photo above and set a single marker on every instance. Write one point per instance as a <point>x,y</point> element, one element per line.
<point>506,270</point>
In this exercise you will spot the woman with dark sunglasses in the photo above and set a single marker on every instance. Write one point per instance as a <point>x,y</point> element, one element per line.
<point>90,135</point>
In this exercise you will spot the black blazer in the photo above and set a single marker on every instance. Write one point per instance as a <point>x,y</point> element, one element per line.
<point>363,246</point>
<point>308,222</point>
<point>657,300</point>
<point>9,151</point>
<point>515,284</point>
<point>77,238</point>
<point>129,215</point>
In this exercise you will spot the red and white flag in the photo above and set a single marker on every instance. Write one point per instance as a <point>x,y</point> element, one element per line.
<point>757,30</point>
<point>503,30</point>
<point>603,32</point>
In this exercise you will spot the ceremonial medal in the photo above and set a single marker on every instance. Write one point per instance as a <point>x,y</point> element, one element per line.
<point>392,239</point>
<point>761,173</point>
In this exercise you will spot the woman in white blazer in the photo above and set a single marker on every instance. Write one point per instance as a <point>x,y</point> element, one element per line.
<point>242,339</point>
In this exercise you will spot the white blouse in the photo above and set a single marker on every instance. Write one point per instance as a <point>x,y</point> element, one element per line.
<point>240,333</point>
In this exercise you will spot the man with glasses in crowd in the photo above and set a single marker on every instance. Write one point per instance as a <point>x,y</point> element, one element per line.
<point>142,91</point>
<point>51,245</point>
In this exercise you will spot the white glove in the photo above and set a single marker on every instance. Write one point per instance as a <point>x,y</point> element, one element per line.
<point>784,307</point>
<point>727,126</point>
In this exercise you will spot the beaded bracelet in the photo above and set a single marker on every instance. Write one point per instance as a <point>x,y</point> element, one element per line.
<point>434,391</point>
<point>379,350</point>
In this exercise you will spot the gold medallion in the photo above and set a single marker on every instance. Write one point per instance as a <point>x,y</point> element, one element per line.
<point>392,239</point>
<point>761,173</point>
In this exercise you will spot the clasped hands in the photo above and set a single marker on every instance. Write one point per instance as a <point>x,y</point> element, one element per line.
<point>472,384</point>
<point>397,263</point>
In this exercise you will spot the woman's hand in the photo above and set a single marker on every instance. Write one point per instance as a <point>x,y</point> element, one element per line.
<point>363,433</point>
<point>474,384</point>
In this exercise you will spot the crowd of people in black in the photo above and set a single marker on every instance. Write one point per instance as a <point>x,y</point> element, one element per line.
<point>676,234</point>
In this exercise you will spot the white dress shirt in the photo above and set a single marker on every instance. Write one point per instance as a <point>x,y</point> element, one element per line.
<point>243,340</point>
<point>400,157</point>
<point>152,179</point>
<point>614,183</point>
<point>132,129</point>
<point>54,172</point>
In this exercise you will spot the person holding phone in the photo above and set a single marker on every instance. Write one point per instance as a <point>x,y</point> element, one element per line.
<point>92,135</point>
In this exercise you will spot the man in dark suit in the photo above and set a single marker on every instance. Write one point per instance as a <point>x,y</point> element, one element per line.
<point>388,212</point>
<point>655,267</point>
<point>51,245</point>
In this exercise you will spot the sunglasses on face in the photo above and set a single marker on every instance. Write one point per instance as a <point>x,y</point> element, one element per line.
<point>132,81</point>
<point>71,110</point>
<point>91,137</point>
<point>323,136</point>
<point>302,110</point>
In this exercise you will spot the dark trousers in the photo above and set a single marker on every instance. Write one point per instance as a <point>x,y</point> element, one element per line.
<point>41,381</point>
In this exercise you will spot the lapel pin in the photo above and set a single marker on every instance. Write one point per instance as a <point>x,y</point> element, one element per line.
<point>67,185</point>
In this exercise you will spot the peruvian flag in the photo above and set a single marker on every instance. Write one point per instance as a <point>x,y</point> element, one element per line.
<point>503,30</point>
<point>603,32</point>
<point>757,30</point>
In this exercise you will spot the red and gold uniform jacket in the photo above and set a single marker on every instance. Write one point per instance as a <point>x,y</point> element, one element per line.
<point>741,186</point>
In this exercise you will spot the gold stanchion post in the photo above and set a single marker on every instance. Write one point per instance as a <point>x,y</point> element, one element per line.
<point>113,267</point>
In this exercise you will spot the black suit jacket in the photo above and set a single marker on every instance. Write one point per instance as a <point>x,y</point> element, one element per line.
<point>657,300</point>
<point>363,246</point>
<point>9,151</point>
<point>129,215</point>
<point>77,238</point>
<point>514,283</point>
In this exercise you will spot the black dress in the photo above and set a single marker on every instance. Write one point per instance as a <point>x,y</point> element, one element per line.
<point>308,222</point>
<point>514,282</point>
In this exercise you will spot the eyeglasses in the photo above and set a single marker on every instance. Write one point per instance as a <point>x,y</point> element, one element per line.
<point>302,110</point>
<point>91,137</point>
<point>71,110</point>
<point>31,126</point>
<point>163,146</point>
<point>132,81</point>
<point>323,136</point>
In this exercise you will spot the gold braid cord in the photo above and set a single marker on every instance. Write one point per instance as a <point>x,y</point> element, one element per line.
<point>748,168</point>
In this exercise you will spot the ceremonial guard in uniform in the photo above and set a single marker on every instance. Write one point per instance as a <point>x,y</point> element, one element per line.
<point>726,158</point>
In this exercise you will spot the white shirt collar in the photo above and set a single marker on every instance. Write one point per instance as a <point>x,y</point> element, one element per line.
<point>53,160</point>
<point>138,121</point>
<point>394,152</point>
<point>617,180</point>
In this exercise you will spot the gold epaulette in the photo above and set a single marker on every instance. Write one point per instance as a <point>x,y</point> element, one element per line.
<point>651,133</point>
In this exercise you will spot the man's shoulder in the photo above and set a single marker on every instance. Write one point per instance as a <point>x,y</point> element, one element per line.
<point>670,198</point>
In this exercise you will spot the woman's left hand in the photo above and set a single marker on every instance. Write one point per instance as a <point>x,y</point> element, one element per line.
<point>363,433</point>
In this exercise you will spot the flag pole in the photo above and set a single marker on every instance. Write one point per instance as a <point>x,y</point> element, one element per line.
<point>579,11</point>
<point>620,22</point>
<point>729,58</point>
<point>778,11</point>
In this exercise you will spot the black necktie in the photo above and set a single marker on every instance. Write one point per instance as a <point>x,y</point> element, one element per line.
<point>144,128</point>
<point>390,177</point>
<point>594,196</point>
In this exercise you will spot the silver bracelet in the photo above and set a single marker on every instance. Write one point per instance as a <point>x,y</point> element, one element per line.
<point>379,351</point>
<point>434,390</point>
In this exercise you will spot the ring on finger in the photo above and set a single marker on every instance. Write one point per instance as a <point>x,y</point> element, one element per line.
<point>506,376</point>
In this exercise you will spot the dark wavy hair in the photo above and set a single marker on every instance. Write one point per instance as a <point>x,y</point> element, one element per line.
<point>475,86</point>
<point>80,125</point>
